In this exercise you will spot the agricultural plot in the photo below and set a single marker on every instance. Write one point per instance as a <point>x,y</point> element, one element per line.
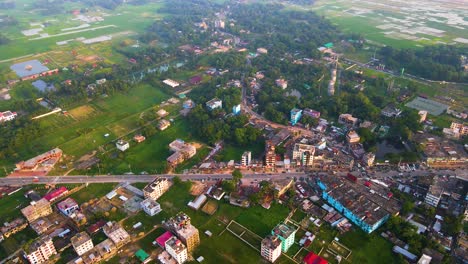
<point>400,24</point>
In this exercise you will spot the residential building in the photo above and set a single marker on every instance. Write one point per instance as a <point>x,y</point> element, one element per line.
<point>139,138</point>
<point>151,207</point>
<point>296,115</point>
<point>352,137</point>
<point>12,227</point>
<point>303,154</point>
<point>270,155</point>
<point>285,234</point>
<point>236,109</point>
<point>116,233</point>
<point>68,207</point>
<point>7,116</point>
<point>36,210</point>
<point>40,250</point>
<point>156,188</point>
<point>347,119</point>
<point>425,259</point>
<point>177,250</point>
<point>50,157</point>
<point>422,116</point>
<point>262,51</point>
<point>311,113</point>
<point>122,145</point>
<point>461,128</point>
<point>271,248</point>
<point>282,83</point>
<point>56,194</point>
<point>369,207</point>
<point>181,226</point>
<point>214,103</point>
<point>368,159</point>
<point>391,111</point>
<point>41,225</point>
<point>163,124</point>
<point>433,195</point>
<point>82,243</point>
<point>188,104</point>
<point>182,151</point>
<point>246,158</point>
<point>171,83</point>
<point>106,248</point>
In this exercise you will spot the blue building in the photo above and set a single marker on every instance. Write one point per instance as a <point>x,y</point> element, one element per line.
<point>236,109</point>
<point>368,208</point>
<point>296,114</point>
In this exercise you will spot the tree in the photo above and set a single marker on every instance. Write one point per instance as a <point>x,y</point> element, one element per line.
<point>176,180</point>
<point>236,175</point>
<point>228,186</point>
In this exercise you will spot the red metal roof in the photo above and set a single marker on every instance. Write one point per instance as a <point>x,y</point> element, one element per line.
<point>312,258</point>
<point>55,194</point>
<point>161,240</point>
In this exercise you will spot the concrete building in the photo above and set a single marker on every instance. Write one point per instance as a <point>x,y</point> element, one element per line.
<point>68,207</point>
<point>214,103</point>
<point>13,227</point>
<point>163,124</point>
<point>422,116</point>
<point>82,243</point>
<point>303,154</point>
<point>182,151</point>
<point>352,137</point>
<point>311,113</point>
<point>151,207</point>
<point>368,159</point>
<point>271,248</point>
<point>462,129</point>
<point>286,235</point>
<point>116,233</point>
<point>36,210</point>
<point>40,250</point>
<point>281,83</point>
<point>122,145</point>
<point>156,188</point>
<point>391,111</point>
<point>7,116</point>
<point>270,155</point>
<point>347,119</point>
<point>171,83</point>
<point>176,249</point>
<point>433,195</point>
<point>246,158</point>
<point>236,109</point>
<point>181,226</point>
<point>296,115</point>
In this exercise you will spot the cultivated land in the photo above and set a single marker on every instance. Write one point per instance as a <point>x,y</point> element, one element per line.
<point>399,24</point>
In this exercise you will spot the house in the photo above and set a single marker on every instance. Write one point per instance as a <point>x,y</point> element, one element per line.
<point>162,113</point>
<point>422,115</point>
<point>214,103</point>
<point>68,207</point>
<point>139,138</point>
<point>40,250</point>
<point>177,250</point>
<point>188,104</point>
<point>311,113</point>
<point>36,210</point>
<point>82,243</point>
<point>391,111</point>
<point>281,186</point>
<point>281,83</point>
<point>352,137</point>
<point>271,248</point>
<point>156,188</point>
<point>236,109</point>
<point>122,145</point>
<point>116,233</point>
<point>151,207</point>
<point>195,80</point>
<point>262,51</point>
<point>56,194</point>
<point>13,227</point>
<point>347,119</point>
<point>296,115</point>
<point>163,124</point>
<point>7,116</point>
<point>171,83</point>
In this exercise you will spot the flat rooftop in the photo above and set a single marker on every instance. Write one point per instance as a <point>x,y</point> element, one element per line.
<point>28,68</point>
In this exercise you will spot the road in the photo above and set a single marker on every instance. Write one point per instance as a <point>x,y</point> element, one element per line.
<point>19,181</point>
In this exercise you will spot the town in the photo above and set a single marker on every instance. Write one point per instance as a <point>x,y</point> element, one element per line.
<point>226,132</point>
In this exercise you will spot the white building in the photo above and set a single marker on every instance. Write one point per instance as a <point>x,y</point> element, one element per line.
<point>82,243</point>
<point>198,202</point>
<point>68,206</point>
<point>176,249</point>
<point>433,195</point>
<point>271,248</point>
<point>304,154</point>
<point>151,207</point>
<point>40,250</point>
<point>7,116</point>
<point>122,145</point>
<point>246,158</point>
<point>171,83</point>
<point>214,103</point>
<point>156,189</point>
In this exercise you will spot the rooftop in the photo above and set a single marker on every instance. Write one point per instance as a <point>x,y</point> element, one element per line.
<point>271,242</point>
<point>283,230</point>
<point>154,184</point>
<point>80,239</point>
<point>67,203</point>
<point>175,244</point>
<point>28,68</point>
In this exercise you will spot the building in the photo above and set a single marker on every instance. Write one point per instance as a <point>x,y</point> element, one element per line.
<point>246,158</point>
<point>177,250</point>
<point>139,138</point>
<point>56,194</point>
<point>303,154</point>
<point>433,195</point>
<point>7,116</point>
<point>195,80</point>
<point>171,83</point>
<point>68,207</point>
<point>352,137</point>
<point>116,233</point>
<point>281,83</point>
<point>311,113</point>
<point>262,51</point>
<point>197,202</point>
<point>12,227</point>
<point>285,234</point>
<point>163,124</point>
<point>422,116</point>
<point>369,207</point>
<point>347,119</point>
<point>40,250</point>
<point>36,210</point>
<point>82,243</point>
<point>462,129</point>
<point>368,159</point>
<point>313,258</point>
<point>270,155</point>
<point>236,109</point>
<point>425,259</point>
<point>214,103</point>
<point>151,207</point>
<point>442,153</point>
<point>50,157</point>
<point>122,145</point>
<point>185,231</point>
<point>391,111</point>
<point>271,248</point>
<point>281,186</point>
<point>188,104</point>
<point>182,151</point>
<point>296,114</point>
<point>30,70</point>
<point>156,188</point>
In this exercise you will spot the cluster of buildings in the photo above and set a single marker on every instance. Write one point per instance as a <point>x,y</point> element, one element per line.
<point>182,151</point>
<point>39,165</point>
<point>152,192</point>
<point>442,153</point>
<point>456,130</point>
<point>279,241</point>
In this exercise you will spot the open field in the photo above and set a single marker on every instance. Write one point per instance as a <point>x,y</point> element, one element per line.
<point>400,24</point>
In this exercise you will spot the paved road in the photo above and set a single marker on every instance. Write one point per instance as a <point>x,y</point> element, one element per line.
<point>135,178</point>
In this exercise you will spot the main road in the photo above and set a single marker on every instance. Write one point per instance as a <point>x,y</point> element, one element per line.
<point>132,178</point>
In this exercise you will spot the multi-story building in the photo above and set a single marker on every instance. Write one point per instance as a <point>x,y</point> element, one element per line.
<point>352,137</point>
<point>40,250</point>
<point>304,154</point>
<point>236,109</point>
<point>270,155</point>
<point>271,248</point>
<point>285,234</point>
<point>433,195</point>
<point>10,228</point>
<point>368,209</point>
<point>214,103</point>
<point>311,113</point>
<point>82,243</point>
<point>296,115</point>
<point>181,226</point>
<point>347,119</point>
<point>122,145</point>
<point>156,188</point>
<point>151,207</point>
<point>462,129</point>
<point>176,249</point>
<point>182,151</point>
<point>116,233</point>
<point>36,210</point>
<point>68,207</point>
<point>246,158</point>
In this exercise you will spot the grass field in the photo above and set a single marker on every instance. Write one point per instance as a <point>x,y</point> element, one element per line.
<point>92,191</point>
